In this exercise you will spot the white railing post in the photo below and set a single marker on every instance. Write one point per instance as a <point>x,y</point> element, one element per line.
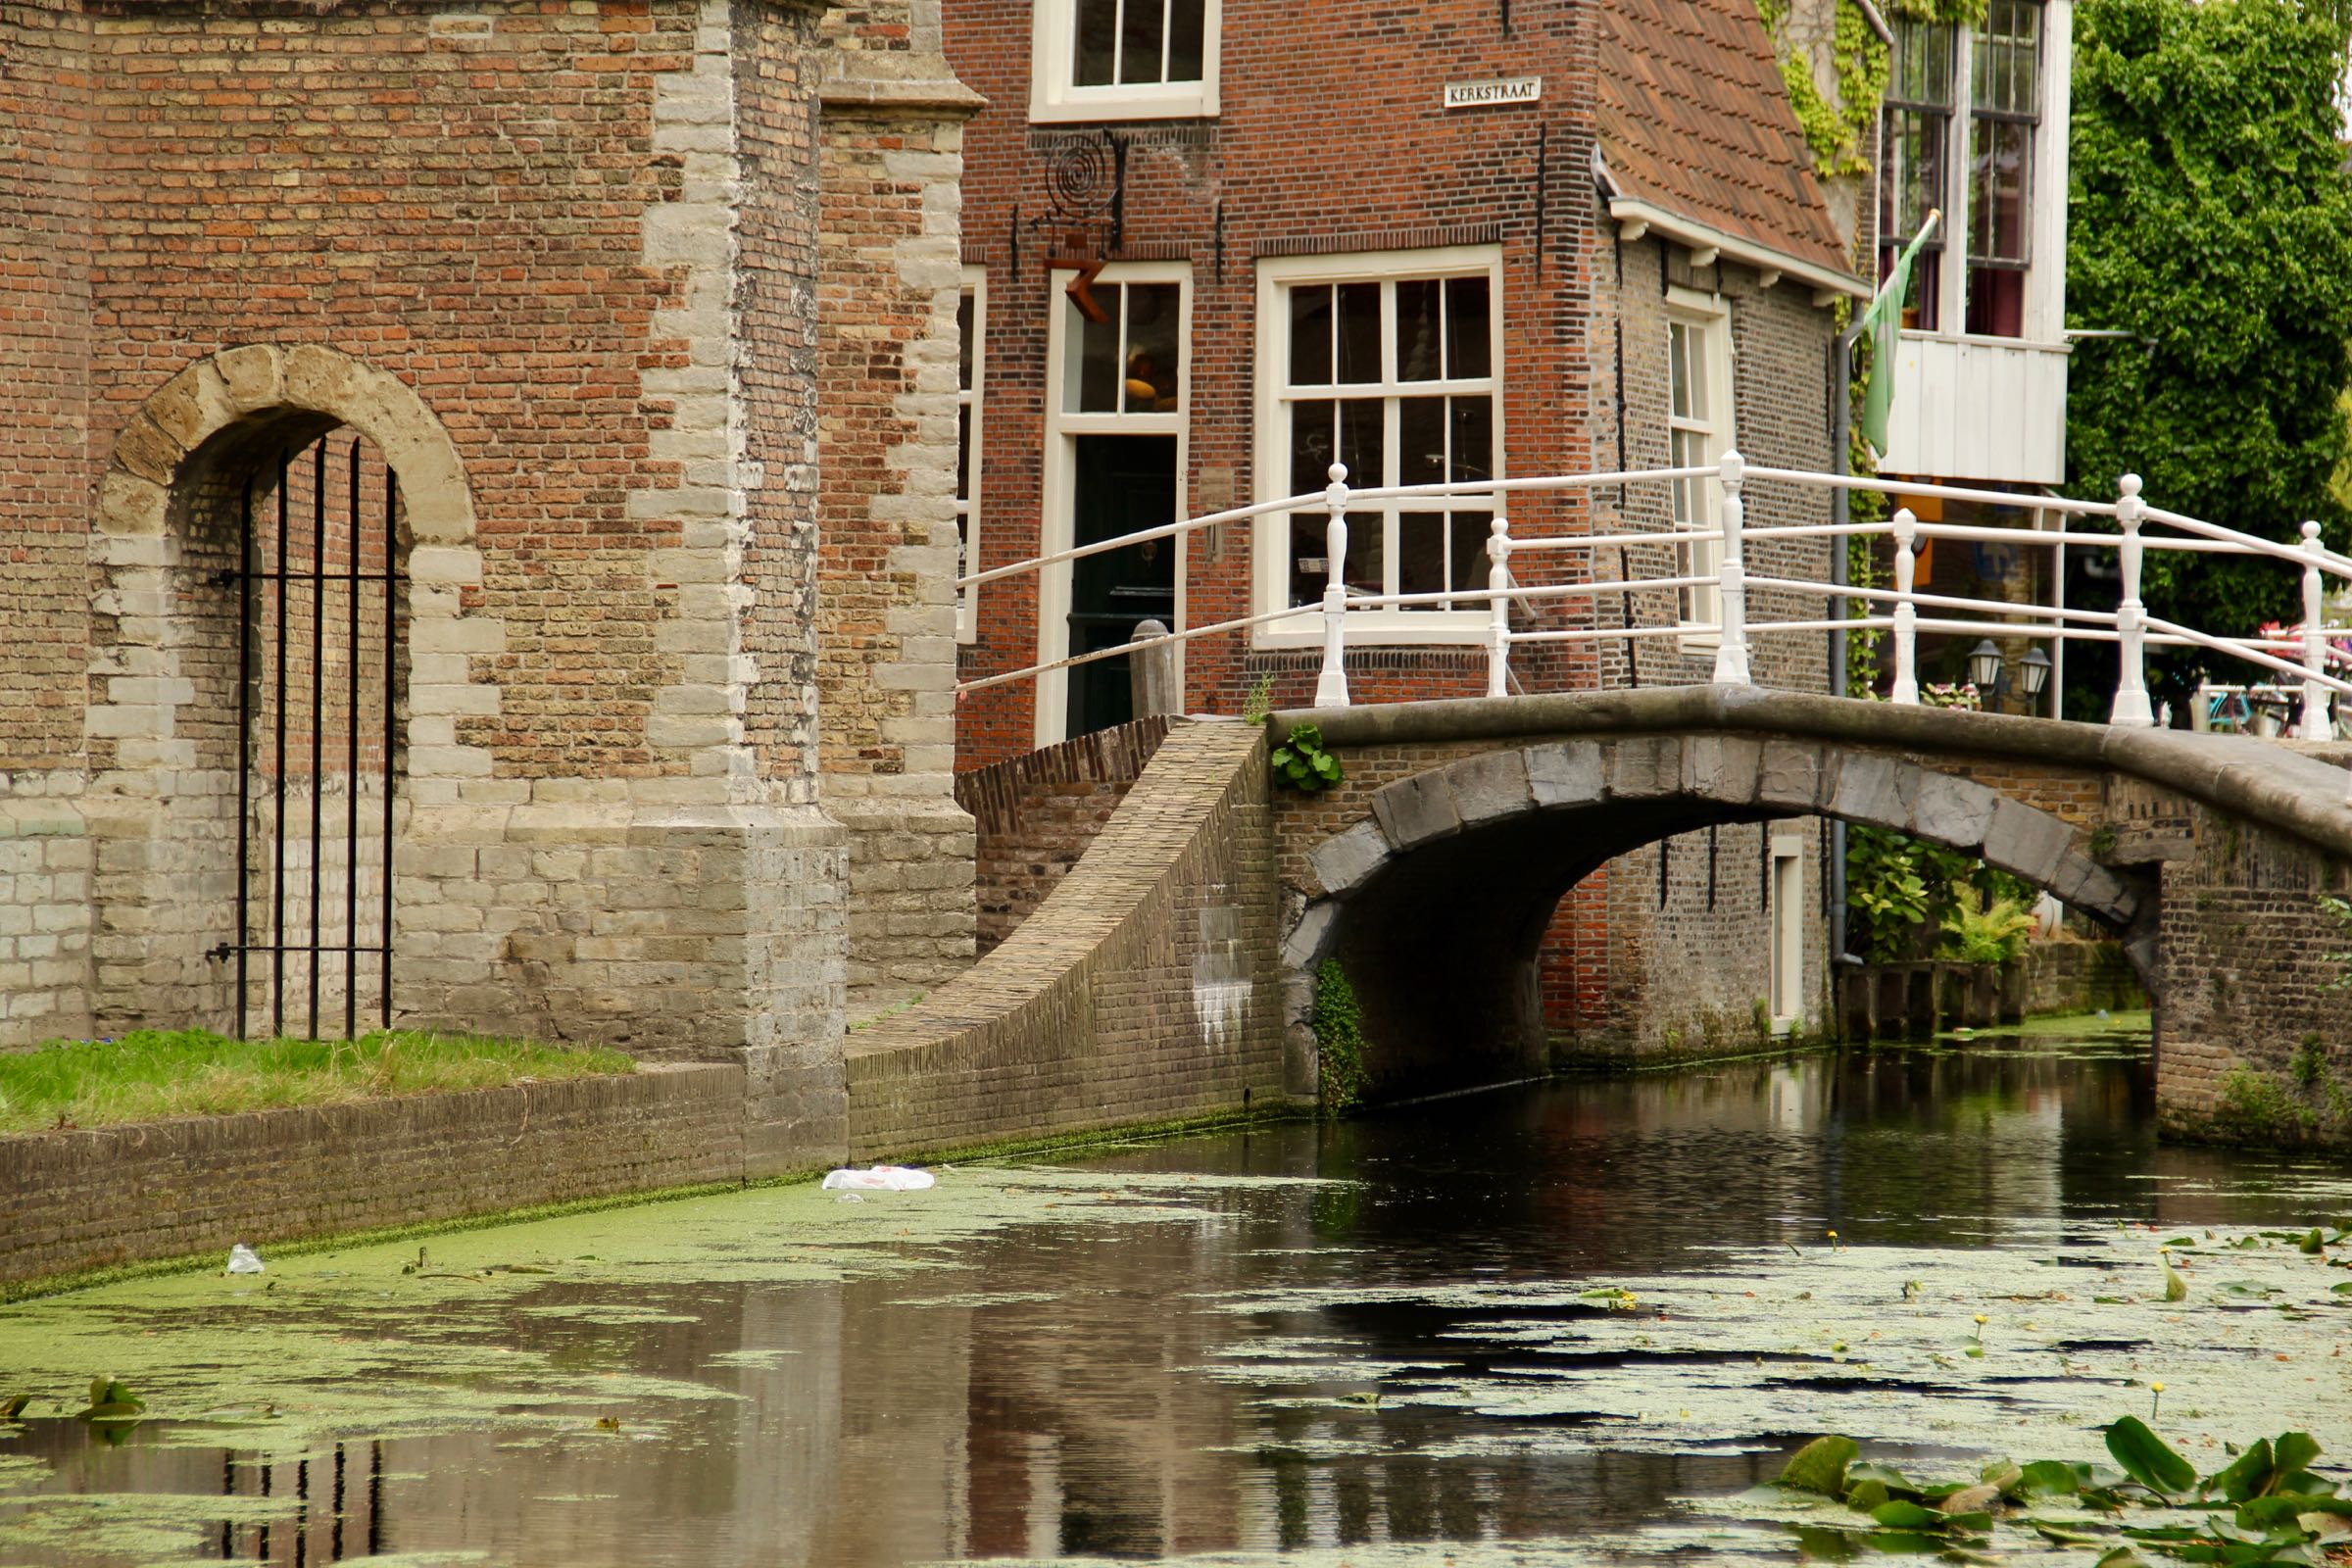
<point>1331,685</point>
<point>2131,617</point>
<point>1906,614</point>
<point>1499,608</point>
<point>1730,648</point>
<point>2319,719</point>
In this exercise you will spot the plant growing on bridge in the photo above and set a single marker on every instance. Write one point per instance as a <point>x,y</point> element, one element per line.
<point>1339,1024</point>
<point>1302,762</point>
<point>2339,910</point>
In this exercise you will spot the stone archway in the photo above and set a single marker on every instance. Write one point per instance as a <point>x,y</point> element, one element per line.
<point>159,665</point>
<point>1496,837</point>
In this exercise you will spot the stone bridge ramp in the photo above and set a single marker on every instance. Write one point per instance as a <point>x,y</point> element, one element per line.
<point>1143,990</point>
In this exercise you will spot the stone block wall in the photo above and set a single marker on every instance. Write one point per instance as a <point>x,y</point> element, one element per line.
<point>71,1202</point>
<point>1036,813</point>
<point>1144,989</point>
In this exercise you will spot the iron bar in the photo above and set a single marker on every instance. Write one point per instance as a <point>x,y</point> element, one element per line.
<point>351,833</point>
<point>317,709</point>
<point>277,825</point>
<point>245,675</point>
<point>390,766</point>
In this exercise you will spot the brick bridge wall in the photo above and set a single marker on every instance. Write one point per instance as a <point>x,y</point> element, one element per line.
<point>1035,815</point>
<point>1143,990</point>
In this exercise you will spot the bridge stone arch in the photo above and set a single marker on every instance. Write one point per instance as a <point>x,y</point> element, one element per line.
<point>1433,871</point>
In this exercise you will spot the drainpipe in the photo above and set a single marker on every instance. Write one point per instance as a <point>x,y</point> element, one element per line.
<point>1841,362</point>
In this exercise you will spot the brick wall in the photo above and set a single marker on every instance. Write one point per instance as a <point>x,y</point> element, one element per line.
<point>1035,815</point>
<point>1144,989</point>
<point>77,1201</point>
<point>1293,164</point>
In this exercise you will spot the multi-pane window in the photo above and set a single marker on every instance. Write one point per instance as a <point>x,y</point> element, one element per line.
<point>1126,42</point>
<point>2005,108</point>
<point>1118,59</point>
<point>1916,132</point>
<point>1698,433</point>
<point>1394,376</point>
<point>971,333</point>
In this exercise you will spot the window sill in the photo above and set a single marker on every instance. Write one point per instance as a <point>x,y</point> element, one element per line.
<point>1078,111</point>
<point>1454,629</point>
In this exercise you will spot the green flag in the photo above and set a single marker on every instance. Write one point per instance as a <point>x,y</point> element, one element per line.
<point>1882,320</point>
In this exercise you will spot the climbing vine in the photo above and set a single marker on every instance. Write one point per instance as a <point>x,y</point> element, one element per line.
<point>1838,133</point>
<point>1339,1024</point>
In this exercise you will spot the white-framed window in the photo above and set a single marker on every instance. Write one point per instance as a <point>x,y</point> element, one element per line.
<point>1123,60</point>
<point>1698,433</point>
<point>1118,375</point>
<point>971,378</point>
<point>1392,365</point>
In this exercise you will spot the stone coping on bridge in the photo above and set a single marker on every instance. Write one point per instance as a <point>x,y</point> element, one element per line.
<point>2298,788</point>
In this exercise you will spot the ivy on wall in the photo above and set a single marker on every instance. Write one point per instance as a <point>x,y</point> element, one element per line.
<point>1840,133</point>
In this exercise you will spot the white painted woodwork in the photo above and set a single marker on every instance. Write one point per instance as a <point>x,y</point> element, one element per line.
<point>1983,409</point>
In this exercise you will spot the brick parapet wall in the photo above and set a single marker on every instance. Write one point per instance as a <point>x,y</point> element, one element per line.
<point>71,1202</point>
<point>1143,990</point>
<point>1035,815</point>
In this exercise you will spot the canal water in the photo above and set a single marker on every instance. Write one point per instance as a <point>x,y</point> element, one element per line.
<point>1560,1322</point>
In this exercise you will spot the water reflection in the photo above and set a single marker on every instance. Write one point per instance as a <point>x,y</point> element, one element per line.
<point>1085,1388</point>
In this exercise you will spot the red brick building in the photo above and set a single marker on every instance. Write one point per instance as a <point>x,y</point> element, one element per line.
<point>1210,245</point>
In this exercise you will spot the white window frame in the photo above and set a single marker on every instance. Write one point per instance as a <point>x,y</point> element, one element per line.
<point>1784,925</point>
<point>1055,99</point>
<point>1271,533</point>
<point>1699,608</point>
<point>1057,526</point>
<point>968,508</point>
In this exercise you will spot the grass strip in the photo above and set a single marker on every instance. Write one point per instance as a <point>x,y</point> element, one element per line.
<point>152,1075</point>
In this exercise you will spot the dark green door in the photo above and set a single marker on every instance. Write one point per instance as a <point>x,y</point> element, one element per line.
<point>1122,483</point>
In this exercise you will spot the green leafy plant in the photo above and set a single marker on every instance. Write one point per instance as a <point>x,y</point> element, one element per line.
<point>1260,701</point>
<point>1302,762</point>
<point>1339,1024</point>
<point>1982,930</point>
<point>2266,1505</point>
<point>2339,910</point>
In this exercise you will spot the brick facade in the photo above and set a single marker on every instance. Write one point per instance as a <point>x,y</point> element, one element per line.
<point>561,266</point>
<point>1292,165</point>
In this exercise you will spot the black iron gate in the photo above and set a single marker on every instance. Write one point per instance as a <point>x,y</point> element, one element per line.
<point>347,717</point>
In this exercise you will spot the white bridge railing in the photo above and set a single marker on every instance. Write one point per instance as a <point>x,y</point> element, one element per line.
<point>2305,656</point>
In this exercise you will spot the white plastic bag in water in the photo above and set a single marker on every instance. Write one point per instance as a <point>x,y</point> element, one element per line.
<point>882,1178</point>
<point>243,1259</point>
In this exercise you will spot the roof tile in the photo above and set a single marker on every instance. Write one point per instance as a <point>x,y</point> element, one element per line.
<point>1694,121</point>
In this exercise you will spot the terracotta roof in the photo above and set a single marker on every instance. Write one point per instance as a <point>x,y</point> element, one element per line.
<point>1696,122</point>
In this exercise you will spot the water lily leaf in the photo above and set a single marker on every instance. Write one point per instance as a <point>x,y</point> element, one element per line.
<point>1897,1514</point>
<point>1969,1500</point>
<point>2294,1452</point>
<point>113,1411</point>
<point>2344,1289</point>
<point>2310,1242</point>
<point>1897,1484</point>
<point>2052,1477</point>
<point>2268,1513</point>
<point>1820,1466</point>
<point>2066,1535</point>
<point>14,1406</point>
<point>1866,1494</point>
<point>2122,1557</point>
<point>2250,1474</point>
<point>2176,1289</point>
<point>2147,1460</point>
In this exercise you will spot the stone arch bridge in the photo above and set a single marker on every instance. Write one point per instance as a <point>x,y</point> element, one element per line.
<point>1170,974</point>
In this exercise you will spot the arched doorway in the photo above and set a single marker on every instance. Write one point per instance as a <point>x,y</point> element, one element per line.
<point>251,692</point>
